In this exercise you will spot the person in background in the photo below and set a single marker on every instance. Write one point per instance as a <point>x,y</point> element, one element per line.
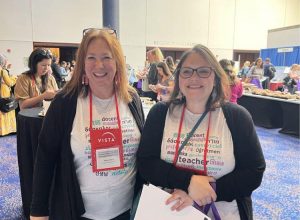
<point>244,71</point>
<point>73,63</point>
<point>169,61</point>
<point>149,73</point>
<point>63,68</point>
<point>57,72</point>
<point>89,139</point>
<point>224,150</point>
<point>234,82</point>
<point>154,56</point>
<point>64,73</point>
<point>269,69</point>
<point>165,84</point>
<point>68,67</point>
<point>8,119</point>
<point>256,73</point>
<point>290,83</point>
<point>36,84</point>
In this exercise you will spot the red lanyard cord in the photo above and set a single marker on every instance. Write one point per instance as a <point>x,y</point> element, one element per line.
<point>178,150</point>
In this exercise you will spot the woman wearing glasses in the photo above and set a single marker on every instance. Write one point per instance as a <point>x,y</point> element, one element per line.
<point>89,139</point>
<point>199,141</point>
<point>36,84</point>
<point>235,84</point>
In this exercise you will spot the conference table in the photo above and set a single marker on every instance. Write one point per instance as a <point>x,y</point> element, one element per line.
<point>271,112</point>
<point>29,124</point>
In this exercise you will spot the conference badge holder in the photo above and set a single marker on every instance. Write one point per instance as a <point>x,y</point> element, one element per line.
<point>107,149</point>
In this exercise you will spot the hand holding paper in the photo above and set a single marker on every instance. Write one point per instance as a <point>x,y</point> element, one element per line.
<point>152,206</point>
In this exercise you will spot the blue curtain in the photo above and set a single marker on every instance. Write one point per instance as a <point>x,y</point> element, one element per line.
<point>281,59</point>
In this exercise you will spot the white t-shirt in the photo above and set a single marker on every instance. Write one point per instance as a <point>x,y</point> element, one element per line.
<point>106,194</point>
<point>220,158</point>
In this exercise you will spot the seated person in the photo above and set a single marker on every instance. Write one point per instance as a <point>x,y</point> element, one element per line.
<point>36,84</point>
<point>235,84</point>
<point>292,80</point>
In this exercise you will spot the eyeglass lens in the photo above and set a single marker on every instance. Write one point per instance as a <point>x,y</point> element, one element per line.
<point>202,72</point>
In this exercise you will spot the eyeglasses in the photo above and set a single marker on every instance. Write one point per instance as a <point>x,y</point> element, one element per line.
<point>202,72</point>
<point>45,52</point>
<point>108,30</point>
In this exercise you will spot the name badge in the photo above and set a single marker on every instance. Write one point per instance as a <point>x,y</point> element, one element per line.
<point>107,149</point>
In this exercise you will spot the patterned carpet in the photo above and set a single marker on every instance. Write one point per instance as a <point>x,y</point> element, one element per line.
<point>279,195</point>
<point>277,198</point>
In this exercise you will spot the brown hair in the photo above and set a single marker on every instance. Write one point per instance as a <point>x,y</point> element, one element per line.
<point>221,89</point>
<point>164,68</point>
<point>233,80</point>
<point>123,89</point>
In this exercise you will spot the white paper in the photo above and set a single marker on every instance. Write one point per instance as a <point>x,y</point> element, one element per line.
<point>152,206</point>
<point>46,105</point>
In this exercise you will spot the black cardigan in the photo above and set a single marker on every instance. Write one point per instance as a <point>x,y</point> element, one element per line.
<point>54,162</point>
<point>239,184</point>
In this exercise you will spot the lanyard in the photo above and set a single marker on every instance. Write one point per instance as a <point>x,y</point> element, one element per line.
<point>190,134</point>
<point>91,110</point>
<point>34,86</point>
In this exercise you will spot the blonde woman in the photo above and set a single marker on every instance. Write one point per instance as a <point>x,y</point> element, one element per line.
<point>154,56</point>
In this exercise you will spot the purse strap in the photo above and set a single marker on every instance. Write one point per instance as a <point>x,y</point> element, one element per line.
<point>212,205</point>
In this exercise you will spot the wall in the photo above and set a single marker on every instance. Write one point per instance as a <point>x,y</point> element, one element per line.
<point>221,25</point>
<point>284,37</point>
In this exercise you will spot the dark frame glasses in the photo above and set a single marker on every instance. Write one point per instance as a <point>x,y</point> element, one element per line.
<point>202,72</point>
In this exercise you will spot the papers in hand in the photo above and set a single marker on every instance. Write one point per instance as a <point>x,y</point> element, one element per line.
<point>46,105</point>
<point>152,206</point>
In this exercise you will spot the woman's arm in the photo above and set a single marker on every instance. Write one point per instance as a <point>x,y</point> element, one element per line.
<point>30,102</point>
<point>48,153</point>
<point>249,160</point>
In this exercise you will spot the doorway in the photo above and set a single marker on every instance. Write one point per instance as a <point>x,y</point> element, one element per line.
<point>244,55</point>
<point>63,51</point>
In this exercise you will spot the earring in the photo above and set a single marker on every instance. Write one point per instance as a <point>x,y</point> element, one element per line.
<point>117,80</point>
<point>181,96</point>
<point>85,80</point>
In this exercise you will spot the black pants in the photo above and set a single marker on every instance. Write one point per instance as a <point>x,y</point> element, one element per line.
<point>123,216</point>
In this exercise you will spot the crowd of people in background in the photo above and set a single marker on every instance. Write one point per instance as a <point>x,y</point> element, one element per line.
<point>196,93</point>
<point>47,75</point>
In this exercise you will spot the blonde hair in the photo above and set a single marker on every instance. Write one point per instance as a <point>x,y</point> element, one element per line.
<point>121,87</point>
<point>246,63</point>
<point>157,55</point>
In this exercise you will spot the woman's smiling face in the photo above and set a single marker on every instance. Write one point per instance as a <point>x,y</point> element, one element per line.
<point>196,88</point>
<point>100,66</point>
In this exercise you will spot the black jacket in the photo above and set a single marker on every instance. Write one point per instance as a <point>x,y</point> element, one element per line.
<point>239,184</point>
<point>54,162</point>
